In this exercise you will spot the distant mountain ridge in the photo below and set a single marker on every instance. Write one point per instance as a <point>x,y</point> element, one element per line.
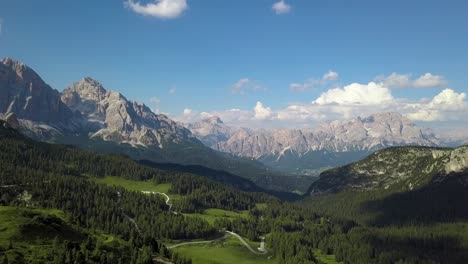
<point>329,144</point>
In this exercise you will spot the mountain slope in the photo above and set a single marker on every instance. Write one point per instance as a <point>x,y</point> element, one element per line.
<point>403,168</point>
<point>211,131</point>
<point>397,186</point>
<point>37,106</point>
<point>112,117</point>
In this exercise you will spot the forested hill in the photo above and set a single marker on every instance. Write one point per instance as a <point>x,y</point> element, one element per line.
<point>53,210</point>
<point>73,161</point>
<point>50,176</point>
<point>224,177</point>
<point>397,169</point>
<point>409,203</point>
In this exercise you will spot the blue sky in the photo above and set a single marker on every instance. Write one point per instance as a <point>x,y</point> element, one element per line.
<point>192,56</point>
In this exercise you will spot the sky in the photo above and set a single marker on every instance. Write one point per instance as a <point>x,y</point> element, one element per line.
<point>259,63</point>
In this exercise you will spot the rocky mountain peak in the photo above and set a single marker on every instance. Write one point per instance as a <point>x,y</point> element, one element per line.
<point>383,116</point>
<point>213,120</point>
<point>112,117</point>
<point>23,73</point>
<point>24,93</point>
<point>343,137</point>
<point>88,89</point>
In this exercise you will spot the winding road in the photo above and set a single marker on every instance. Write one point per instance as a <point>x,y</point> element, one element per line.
<point>198,242</point>
<point>167,199</point>
<point>222,238</point>
<point>247,244</point>
<point>256,252</point>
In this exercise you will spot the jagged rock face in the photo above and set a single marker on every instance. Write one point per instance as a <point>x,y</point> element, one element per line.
<point>85,97</point>
<point>24,93</point>
<point>373,132</point>
<point>399,168</point>
<point>211,131</point>
<point>12,121</point>
<point>327,145</point>
<point>112,117</point>
<point>370,133</point>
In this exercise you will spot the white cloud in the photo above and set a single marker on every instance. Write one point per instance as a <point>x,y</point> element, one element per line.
<point>313,83</point>
<point>165,9</point>
<point>330,76</point>
<point>281,7</point>
<point>396,80</point>
<point>447,105</point>
<point>343,103</point>
<point>172,91</point>
<point>187,112</point>
<point>356,93</point>
<point>261,112</point>
<point>428,80</point>
<point>245,85</point>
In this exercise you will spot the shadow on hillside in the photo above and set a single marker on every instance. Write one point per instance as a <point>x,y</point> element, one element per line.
<point>445,200</point>
<point>430,249</point>
<point>224,177</point>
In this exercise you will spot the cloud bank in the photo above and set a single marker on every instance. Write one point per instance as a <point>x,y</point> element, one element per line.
<point>346,102</point>
<point>427,80</point>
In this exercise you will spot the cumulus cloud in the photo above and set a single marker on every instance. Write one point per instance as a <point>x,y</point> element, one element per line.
<point>189,116</point>
<point>330,76</point>
<point>427,80</point>
<point>187,112</point>
<point>172,91</point>
<point>346,102</point>
<point>245,85</point>
<point>313,83</point>
<point>447,105</point>
<point>165,9</point>
<point>262,112</point>
<point>281,7</point>
<point>355,93</point>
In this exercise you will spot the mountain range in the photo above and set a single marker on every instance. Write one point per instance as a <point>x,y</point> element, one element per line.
<point>87,115</point>
<point>327,145</point>
<point>403,203</point>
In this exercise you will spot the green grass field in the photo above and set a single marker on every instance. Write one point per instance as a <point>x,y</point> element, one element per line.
<point>327,259</point>
<point>224,252</point>
<point>138,186</point>
<point>210,215</point>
